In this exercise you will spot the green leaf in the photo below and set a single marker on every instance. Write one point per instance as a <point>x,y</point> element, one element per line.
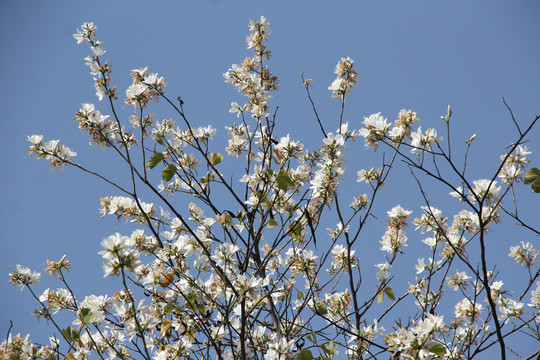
<point>532,175</point>
<point>159,139</point>
<point>415,343</point>
<point>438,349</point>
<point>323,347</point>
<point>165,326</point>
<point>189,298</point>
<point>271,223</point>
<point>71,334</point>
<point>261,301</point>
<point>304,354</point>
<point>284,182</point>
<point>390,293</point>
<point>295,229</point>
<point>380,297</point>
<point>207,179</point>
<point>330,348</point>
<point>300,295</point>
<point>86,315</point>
<point>215,158</point>
<point>168,172</point>
<point>202,308</point>
<point>261,195</point>
<point>322,310</point>
<point>191,306</point>
<point>168,309</point>
<point>155,160</point>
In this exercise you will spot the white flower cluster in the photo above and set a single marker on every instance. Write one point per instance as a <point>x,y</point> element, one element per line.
<point>325,181</point>
<point>394,237</point>
<point>524,254</point>
<point>251,78</point>
<point>101,70</point>
<point>119,254</point>
<point>99,126</point>
<point>240,136</point>
<point>57,155</point>
<point>341,258</point>
<point>514,165</point>
<point>453,236</point>
<point>23,277</point>
<point>345,80</point>
<point>361,340</point>
<point>144,87</point>
<point>418,342</point>
<point>127,208</point>
<point>378,129</point>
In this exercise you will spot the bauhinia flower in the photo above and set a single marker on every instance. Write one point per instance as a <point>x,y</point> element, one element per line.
<point>23,277</point>
<point>524,254</point>
<point>424,142</point>
<point>57,155</point>
<point>347,77</point>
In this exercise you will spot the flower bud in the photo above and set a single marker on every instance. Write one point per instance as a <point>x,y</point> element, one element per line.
<point>166,279</point>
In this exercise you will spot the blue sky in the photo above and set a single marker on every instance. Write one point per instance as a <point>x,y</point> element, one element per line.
<point>421,55</point>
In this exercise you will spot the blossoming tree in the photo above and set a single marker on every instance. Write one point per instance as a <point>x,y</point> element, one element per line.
<point>222,266</point>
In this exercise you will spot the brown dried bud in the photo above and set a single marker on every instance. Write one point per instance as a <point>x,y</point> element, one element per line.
<point>166,280</point>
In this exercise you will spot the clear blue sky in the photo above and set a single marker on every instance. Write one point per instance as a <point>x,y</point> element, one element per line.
<point>421,55</point>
